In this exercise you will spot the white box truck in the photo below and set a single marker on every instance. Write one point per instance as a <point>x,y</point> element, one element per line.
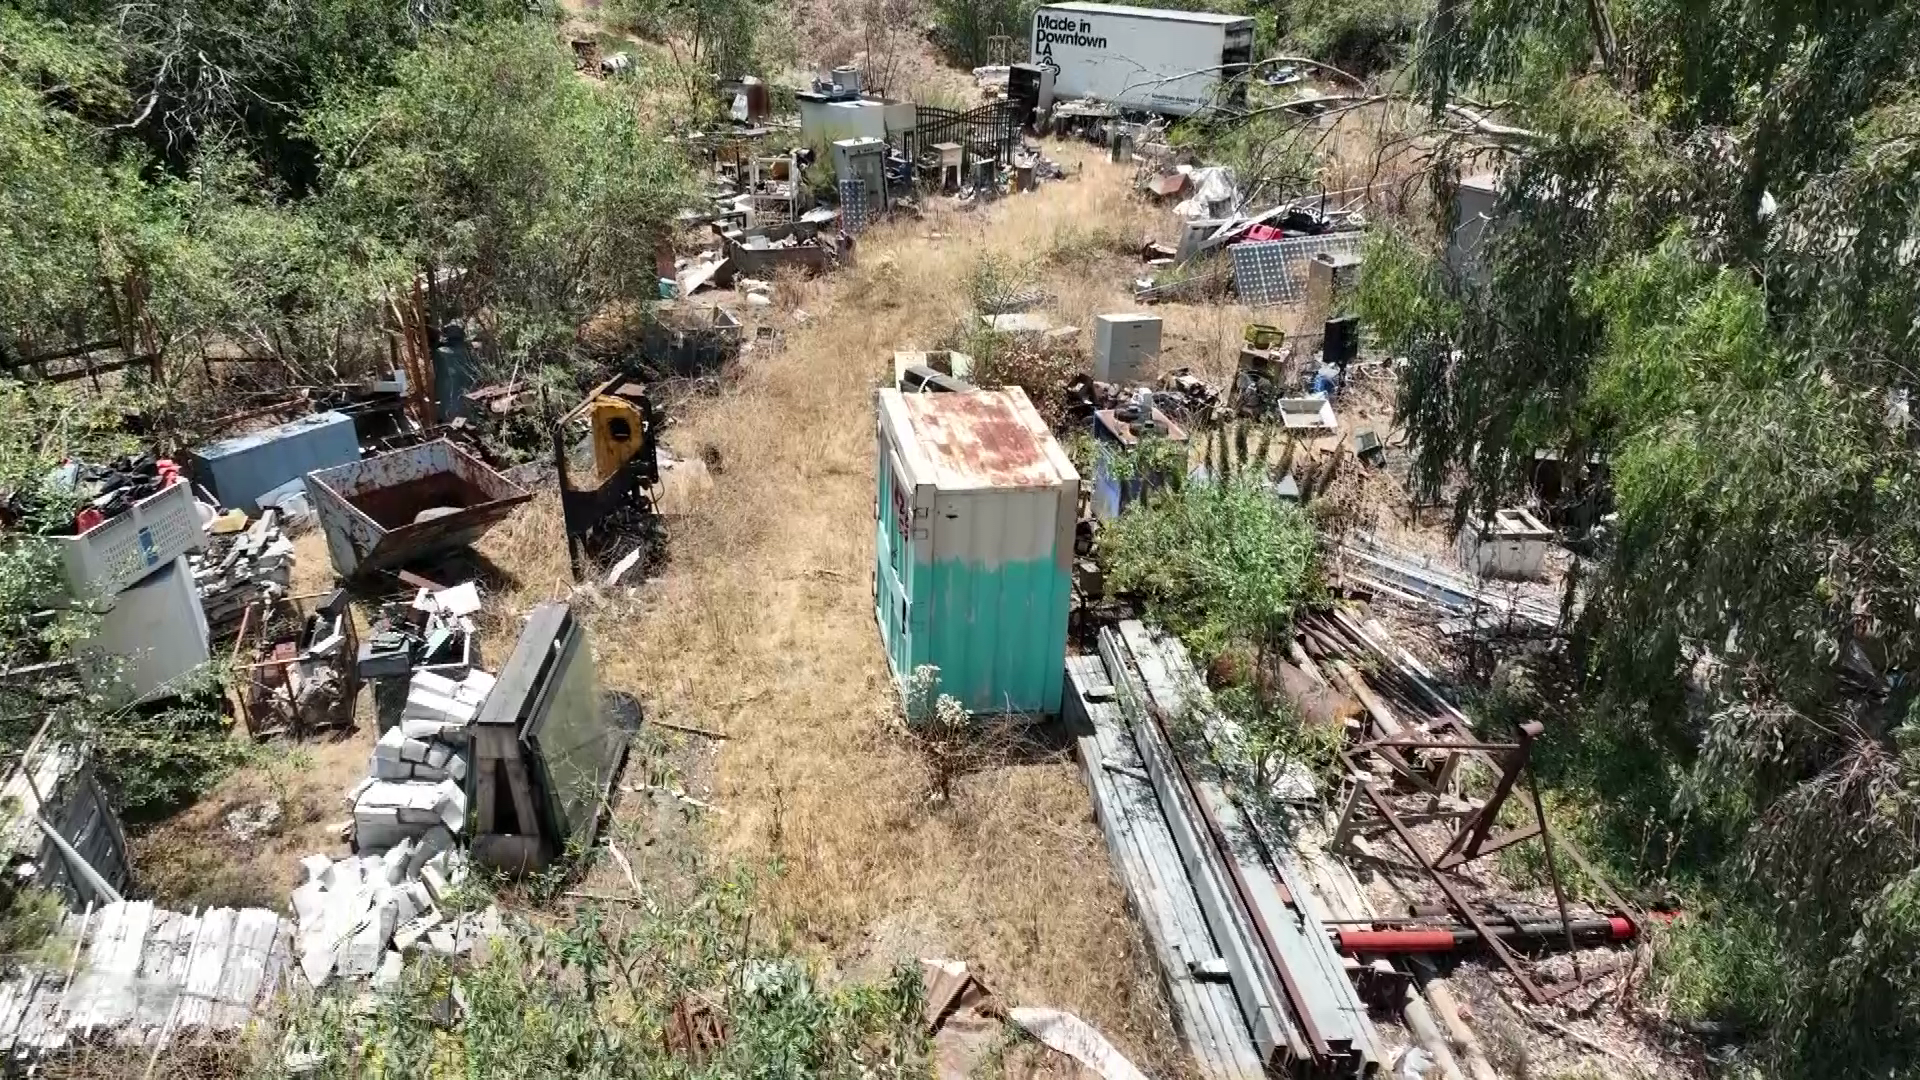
<point>1154,60</point>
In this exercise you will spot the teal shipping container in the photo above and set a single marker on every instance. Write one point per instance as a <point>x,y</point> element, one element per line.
<point>974,544</point>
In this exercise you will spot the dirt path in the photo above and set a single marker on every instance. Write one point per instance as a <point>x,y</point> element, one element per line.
<point>763,627</point>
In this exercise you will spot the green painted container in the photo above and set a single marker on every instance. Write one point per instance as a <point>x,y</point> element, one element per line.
<point>974,545</point>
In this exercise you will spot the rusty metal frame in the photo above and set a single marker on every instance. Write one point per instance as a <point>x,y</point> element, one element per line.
<point>1474,839</point>
<point>251,676</point>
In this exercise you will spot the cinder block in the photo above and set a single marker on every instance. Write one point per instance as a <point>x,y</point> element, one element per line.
<point>392,743</point>
<point>409,935</point>
<point>413,750</point>
<point>434,684</point>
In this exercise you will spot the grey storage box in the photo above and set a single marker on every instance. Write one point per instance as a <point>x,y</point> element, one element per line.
<point>1125,347</point>
<point>241,469</point>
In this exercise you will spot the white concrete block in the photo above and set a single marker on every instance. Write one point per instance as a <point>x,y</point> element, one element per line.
<point>424,730</point>
<point>315,867</point>
<point>388,977</point>
<point>392,769</point>
<point>317,961</point>
<point>437,755</point>
<point>424,771</point>
<point>436,884</point>
<point>362,954</point>
<point>475,687</point>
<point>453,805</point>
<point>392,742</point>
<point>457,767</point>
<point>409,935</point>
<point>354,792</point>
<point>404,909</point>
<point>433,684</point>
<point>428,706</point>
<point>431,843</point>
<point>379,836</point>
<point>413,750</point>
<point>309,903</point>
<point>393,865</point>
<point>441,941</point>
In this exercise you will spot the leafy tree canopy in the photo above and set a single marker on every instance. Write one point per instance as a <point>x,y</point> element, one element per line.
<point>1701,268</point>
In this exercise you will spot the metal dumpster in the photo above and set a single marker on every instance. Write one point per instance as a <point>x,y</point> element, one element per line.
<point>393,508</point>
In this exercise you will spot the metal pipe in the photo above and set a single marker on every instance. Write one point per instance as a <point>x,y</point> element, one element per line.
<point>1448,938</point>
<point>78,864</point>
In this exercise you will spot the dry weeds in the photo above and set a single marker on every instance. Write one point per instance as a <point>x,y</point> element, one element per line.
<point>762,626</point>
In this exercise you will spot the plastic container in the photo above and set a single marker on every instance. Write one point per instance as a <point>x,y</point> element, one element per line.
<point>123,549</point>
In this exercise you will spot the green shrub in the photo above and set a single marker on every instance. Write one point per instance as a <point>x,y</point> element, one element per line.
<point>1219,562</point>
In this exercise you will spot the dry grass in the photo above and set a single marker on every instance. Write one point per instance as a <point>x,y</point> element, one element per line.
<point>762,625</point>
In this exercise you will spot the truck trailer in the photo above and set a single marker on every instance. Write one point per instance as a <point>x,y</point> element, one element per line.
<point>1175,63</point>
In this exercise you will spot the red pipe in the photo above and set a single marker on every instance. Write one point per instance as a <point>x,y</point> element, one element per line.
<point>1614,929</point>
<point>1395,941</point>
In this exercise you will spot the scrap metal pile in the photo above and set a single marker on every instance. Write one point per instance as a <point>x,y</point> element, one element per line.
<point>1404,809</point>
<point>1254,977</point>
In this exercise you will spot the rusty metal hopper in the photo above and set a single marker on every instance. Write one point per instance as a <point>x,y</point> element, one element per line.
<point>393,508</point>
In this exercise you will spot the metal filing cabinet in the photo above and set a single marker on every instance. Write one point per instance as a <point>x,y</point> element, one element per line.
<point>1125,347</point>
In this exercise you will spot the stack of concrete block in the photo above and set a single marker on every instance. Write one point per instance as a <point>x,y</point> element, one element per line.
<point>419,766</point>
<point>237,569</point>
<point>359,915</point>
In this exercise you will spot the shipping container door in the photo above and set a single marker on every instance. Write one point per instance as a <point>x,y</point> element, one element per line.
<point>898,580</point>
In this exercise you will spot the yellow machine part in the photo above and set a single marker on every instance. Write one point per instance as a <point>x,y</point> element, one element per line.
<point>618,430</point>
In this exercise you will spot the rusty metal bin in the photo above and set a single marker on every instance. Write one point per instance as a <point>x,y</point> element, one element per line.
<point>390,509</point>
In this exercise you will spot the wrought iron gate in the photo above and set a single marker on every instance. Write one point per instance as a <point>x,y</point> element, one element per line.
<point>988,131</point>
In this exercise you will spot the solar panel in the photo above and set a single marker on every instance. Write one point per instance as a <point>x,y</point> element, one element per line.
<point>1269,272</point>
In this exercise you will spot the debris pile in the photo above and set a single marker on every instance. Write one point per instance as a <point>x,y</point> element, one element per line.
<point>434,631</point>
<point>102,491</point>
<point>359,916</point>
<point>239,567</point>
<point>419,764</point>
<point>302,680</point>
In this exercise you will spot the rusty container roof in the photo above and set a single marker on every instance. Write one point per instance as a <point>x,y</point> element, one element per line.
<point>983,440</point>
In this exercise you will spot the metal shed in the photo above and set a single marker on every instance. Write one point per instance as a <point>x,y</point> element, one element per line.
<point>974,544</point>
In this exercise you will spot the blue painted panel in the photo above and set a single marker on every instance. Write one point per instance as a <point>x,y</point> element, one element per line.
<point>1000,633</point>
<point>241,469</point>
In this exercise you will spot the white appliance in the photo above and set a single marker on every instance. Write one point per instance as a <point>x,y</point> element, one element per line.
<point>151,639</point>
<point>1125,347</point>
